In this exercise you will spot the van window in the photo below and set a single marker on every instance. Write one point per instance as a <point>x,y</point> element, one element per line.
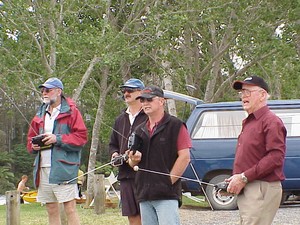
<point>219,124</point>
<point>228,124</point>
<point>291,120</point>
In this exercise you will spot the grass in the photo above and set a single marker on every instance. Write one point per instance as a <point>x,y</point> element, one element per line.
<point>35,214</point>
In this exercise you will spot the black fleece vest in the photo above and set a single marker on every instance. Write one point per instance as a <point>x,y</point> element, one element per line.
<point>159,153</point>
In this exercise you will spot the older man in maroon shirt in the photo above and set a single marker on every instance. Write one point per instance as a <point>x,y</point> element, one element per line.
<point>259,159</point>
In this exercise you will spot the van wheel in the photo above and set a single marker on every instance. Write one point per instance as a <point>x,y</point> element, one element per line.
<point>285,196</point>
<point>217,200</point>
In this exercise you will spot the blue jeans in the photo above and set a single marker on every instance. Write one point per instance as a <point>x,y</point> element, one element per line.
<point>160,212</point>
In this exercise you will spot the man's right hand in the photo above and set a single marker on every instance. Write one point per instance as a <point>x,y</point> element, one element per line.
<point>135,158</point>
<point>114,155</point>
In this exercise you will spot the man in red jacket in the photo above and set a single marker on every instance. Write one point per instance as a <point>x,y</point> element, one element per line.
<point>63,134</point>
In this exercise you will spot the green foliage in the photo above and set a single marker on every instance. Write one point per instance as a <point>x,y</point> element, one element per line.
<point>22,163</point>
<point>5,159</point>
<point>7,180</point>
<point>32,214</point>
<point>135,39</point>
<point>6,175</point>
<point>106,170</point>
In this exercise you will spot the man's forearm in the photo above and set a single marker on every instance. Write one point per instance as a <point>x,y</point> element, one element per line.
<point>180,164</point>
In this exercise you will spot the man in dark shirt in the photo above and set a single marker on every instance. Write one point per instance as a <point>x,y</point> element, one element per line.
<point>259,159</point>
<point>125,123</point>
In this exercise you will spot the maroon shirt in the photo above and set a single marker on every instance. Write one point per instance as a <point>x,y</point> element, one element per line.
<point>261,147</point>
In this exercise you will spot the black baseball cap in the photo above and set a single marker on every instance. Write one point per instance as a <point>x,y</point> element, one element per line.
<point>253,80</point>
<point>151,92</point>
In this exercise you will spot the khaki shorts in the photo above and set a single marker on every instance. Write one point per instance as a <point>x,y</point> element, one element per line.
<point>48,193</point>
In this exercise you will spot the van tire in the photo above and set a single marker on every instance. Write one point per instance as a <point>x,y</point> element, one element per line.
<point>218,201</point>
<point>285,196</point>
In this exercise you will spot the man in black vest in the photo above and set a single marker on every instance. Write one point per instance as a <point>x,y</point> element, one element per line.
<point>165,148</point>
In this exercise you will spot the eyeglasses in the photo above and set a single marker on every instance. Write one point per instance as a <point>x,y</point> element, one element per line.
<point>47,90</point>
<point>129,90</point>
<point>142,100</point>
<point>246,93</point>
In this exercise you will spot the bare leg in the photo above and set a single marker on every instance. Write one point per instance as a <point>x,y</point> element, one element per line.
<point>135,220</point>
<point>53,213</point>
<point>71,212</point>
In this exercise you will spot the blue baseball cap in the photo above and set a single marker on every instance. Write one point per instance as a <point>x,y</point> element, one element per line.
<point>52,82</point>
<point>133,83</point>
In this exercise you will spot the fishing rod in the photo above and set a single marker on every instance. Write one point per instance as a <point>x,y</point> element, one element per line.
<point>117,161</point>
<point>134,142</point>
<point>220,186</point>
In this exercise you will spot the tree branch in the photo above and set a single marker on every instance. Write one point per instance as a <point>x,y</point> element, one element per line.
<point>85,78</point>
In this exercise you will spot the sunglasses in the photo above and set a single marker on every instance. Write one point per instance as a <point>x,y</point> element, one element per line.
<point>47,90</point>
<point>129,90</point>
<point>142,100</point>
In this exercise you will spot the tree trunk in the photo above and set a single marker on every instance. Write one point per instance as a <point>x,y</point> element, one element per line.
<point>211,83</point>
<point>170,102</point>
<point>96,130</point>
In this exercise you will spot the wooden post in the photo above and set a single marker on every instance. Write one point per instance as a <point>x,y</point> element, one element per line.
<point>12,207</point>
<point>99,196</point>
<point>88,200</point>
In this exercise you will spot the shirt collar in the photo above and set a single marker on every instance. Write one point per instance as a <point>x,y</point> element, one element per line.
<point>128,112</point>
<point>260,112</point>
<point>57,108</point>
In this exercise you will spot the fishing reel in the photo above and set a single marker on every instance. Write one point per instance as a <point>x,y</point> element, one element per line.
<point>39,141</point>
<point>119,160</point>
<point>221,188</point>
<point>134,142</point>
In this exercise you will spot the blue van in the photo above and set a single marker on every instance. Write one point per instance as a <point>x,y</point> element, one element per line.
<point>214,128</point>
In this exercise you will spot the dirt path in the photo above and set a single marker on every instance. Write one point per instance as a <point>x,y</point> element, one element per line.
<point>286,215</point>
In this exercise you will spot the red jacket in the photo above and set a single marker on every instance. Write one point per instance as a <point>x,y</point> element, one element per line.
<point>71,135</point>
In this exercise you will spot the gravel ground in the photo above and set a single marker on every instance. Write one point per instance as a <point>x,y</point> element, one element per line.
<point>286,215</point>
